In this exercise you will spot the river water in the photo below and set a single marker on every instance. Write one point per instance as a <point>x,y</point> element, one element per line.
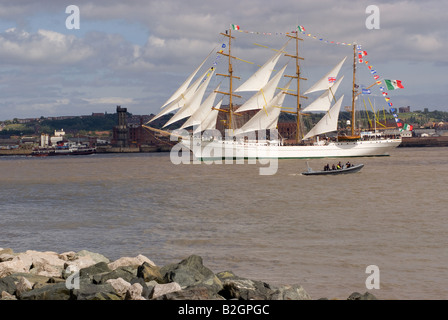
<point>321,232</point>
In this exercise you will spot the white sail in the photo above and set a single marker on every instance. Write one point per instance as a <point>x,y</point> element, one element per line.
<point>202,112</point>
<point>180,101</point>
<point>259,79</point>
<point>266,118</point>
<point>326,82</point>
<point>264,95</point>
<point>209,123</point>
<point>323,103</point>
<point>194,102</point>
<point>185,85</point>
<point>328,123</point>
<point>275,108</point>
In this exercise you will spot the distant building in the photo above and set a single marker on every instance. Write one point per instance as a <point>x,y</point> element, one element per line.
<point>121,131</point>
<point>58,136</point>
<point>139,136</point>
<point>404,109</point>
<point>130,133</point>
<point>287,130</point>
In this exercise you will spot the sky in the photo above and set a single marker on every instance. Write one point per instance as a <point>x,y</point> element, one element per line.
<point>137,53</point>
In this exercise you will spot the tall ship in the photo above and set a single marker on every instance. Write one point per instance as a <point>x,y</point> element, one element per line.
<point>258,138</point>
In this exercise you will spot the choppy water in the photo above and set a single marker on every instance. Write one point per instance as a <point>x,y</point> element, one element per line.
<point>318,231</point>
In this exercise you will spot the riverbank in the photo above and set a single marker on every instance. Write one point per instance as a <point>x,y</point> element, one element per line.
<point>101,149</point>
<point>84,275</point>
<point>410,142</point>
<point>415,142</point>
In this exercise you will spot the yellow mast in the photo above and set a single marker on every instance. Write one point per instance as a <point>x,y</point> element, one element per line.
<point>231,77</point>
<point>297,95</point>
<point>353,92</point>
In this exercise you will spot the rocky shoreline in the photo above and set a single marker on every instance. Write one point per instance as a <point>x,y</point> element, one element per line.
<point>85,275</point>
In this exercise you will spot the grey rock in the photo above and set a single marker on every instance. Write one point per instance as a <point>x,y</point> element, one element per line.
<point>7,284</point>
<point>6,296</point>
<point>290,292</point>
<point>235,287</point>
<point>192,293</point>
<point>89,291</point>
<point>146,292</point>
<point>127,273</point>
<point>90,272</point>
<point>95,256</point>
<point>135,292</point>
<point>22,286</point>
<point>162,289</point>
<point>191,272</point>
<point>149,272</point>
<point>358,296</point>
<point>56,291</point>
<point>120,286</point>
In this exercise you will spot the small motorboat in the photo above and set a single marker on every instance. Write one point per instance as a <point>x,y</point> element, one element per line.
<point>351,169</point>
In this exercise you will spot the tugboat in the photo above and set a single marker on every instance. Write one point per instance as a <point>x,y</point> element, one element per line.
<point>59,147</point>
<point>63,149</point>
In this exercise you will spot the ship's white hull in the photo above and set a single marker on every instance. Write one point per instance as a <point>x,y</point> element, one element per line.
<point>217,149</point>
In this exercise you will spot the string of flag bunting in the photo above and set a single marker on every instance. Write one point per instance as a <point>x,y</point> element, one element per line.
<point>388,84</point>
<point>300,29</point>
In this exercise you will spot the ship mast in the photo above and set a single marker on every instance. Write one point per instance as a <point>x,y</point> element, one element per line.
<point>353,92</point>
<point>297,95</point>
<point>231,77</point>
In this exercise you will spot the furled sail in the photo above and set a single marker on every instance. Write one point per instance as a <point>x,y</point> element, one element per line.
<point>264,95</point>
<point>323,103</point>
<point>185,85</point>
<point>266,118</point>
<point>203,111</point>
<point>328,123</point>
<point>180,101</point>
<point>194,102</point>
<point>259,79</point>
<point>328,80</point>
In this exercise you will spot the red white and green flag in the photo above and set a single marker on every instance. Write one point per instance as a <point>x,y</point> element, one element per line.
<point>301,28</point>
<point>393,84</point>
<point>235,27</point>
<point>408,127</point>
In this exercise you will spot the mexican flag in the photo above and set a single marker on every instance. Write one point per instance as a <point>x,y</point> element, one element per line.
<point>235,27</point>
<point>393,84</point>
<point>301,28</point>
<point>408,127</point>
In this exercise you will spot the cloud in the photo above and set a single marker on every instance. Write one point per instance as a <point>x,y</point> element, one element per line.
<point>110,100</point>
<point>43,47</point>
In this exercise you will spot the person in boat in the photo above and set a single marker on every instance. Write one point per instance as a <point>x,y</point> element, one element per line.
<point>339,165</point>
<point>333,167</point>
<point>348,164</point>
<point>327,167</point>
